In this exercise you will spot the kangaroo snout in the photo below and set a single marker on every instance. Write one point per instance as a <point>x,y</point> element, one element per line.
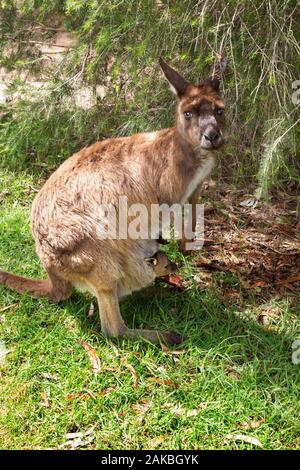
<point>211,138</point>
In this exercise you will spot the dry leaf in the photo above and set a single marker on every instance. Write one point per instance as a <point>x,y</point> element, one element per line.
<point>233,373</point>
<point>78,439</point>
<point>93,356</point>
<point>232,293</point>
<point>250,202</point>
<point>50,376</point>
<point>252,424</point>
<point>75,443</point>
<point>166,382</point>
<point>154,443</point>
<point>3,352</point>
<point>263,320</point>
<point>111,369</point>
<point>134,375</point>
<point>88,395</point>
<point>243,438</point>
<point>191,413</point>
<point>74,396</point>
<point>258,284</point>
<point>140,409</point>
<point>3,309</point>
<point>161,369</point>
<point>45,399</point>
<point>290,279</point>
<point>82,396</point>
<point>115,349</point>
<point>182,412</point>
<point>91,310</point>
<point>75,435</point>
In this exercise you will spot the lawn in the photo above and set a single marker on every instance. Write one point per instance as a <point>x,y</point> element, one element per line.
<point>232,384</point>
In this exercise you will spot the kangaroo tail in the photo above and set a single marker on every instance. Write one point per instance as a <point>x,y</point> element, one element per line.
<point>53,288</point>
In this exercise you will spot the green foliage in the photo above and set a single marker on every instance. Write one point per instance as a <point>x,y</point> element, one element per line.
<point>119,46</point>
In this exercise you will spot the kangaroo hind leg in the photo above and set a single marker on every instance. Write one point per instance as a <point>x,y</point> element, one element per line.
<point>112,323</point>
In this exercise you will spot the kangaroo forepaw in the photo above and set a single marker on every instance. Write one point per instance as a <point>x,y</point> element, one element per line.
<point>156,336</point>
<point>172,338</point>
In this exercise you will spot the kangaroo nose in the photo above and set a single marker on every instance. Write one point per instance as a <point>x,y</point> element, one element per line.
<point>212,136</point>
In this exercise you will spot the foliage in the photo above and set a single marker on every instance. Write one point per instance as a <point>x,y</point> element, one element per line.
<point>119,45</point>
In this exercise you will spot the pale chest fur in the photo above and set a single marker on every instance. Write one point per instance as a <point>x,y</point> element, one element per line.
<point>201,174</point>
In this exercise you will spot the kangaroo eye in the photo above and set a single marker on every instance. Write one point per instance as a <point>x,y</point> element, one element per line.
<point>188,114</point>
<point>220,111</point>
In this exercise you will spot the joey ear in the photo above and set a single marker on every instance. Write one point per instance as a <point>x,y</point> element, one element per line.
<point>152,261</point>
<point>177,82</point>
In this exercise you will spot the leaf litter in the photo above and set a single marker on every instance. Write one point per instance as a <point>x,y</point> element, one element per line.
<point>252,424</point>
<point>258,244</point>
<point>8,307</point>
<point>180,411</point>
<point>243,438</point>
<point>3,352</point>
<point>78,439</point>
<point>93,356</point>
<point>134,374</point>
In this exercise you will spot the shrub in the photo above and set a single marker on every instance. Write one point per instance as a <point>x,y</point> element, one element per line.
<point>119,43</point>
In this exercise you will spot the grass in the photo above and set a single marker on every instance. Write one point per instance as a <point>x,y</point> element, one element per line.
<point>231,369</point>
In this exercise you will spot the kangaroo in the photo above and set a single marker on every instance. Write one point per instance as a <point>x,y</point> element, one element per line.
<point>165,166</point>
<point>161,264</point>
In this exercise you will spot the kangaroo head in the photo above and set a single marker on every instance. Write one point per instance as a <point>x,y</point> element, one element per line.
<point>161,264</point>
<point>199,112</point>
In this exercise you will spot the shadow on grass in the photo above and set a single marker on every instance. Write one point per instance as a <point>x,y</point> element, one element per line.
<point>213,328</point>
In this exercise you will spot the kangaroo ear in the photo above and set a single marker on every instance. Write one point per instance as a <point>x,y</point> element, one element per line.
<point>214,82</point>
<point>219,71</point>
<point>177,82</point>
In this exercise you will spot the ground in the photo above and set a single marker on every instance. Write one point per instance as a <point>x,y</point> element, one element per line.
<point>231,384</point>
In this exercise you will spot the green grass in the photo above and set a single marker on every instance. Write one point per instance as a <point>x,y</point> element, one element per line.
<point>231,370</point>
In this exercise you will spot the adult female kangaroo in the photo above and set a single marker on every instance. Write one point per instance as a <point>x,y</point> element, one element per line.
<point>166,166</point>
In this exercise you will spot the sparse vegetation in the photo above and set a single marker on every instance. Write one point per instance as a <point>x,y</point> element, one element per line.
<point>234,374</point>
<point>118,47</point>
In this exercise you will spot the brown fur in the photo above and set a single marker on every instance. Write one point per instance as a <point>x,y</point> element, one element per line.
<point>161,264</point>
<point>162,167</point>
